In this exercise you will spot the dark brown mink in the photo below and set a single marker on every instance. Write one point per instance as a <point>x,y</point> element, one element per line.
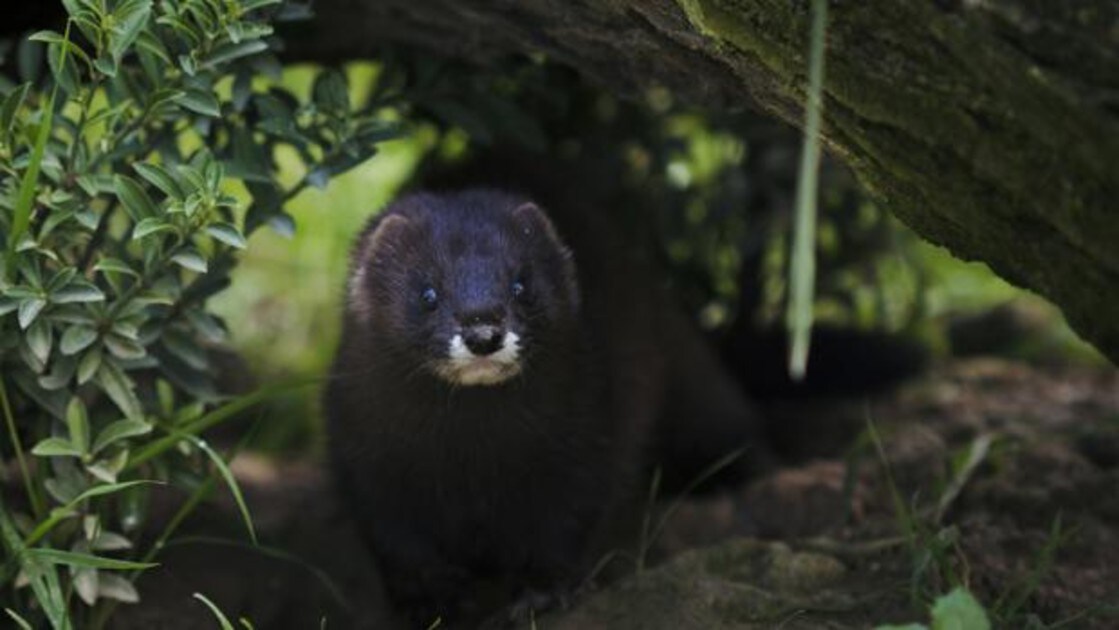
<point>496,400</point>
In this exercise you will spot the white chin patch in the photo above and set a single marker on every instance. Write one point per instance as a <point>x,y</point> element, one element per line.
<point>463,367</point>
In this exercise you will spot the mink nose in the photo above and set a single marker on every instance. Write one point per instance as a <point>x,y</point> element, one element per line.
<point>483,339</point>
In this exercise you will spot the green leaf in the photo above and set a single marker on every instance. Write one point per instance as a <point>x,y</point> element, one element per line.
<point>108,488</point>
<point>130,18</point>
<point>191,260</point>
<point>161,178</point>
<point>126,329</point>
<point>60,58</point>
<point>76,339</point>
<point>29,309</point>
<point>22,292</point>
<point>10,105</point>
<point>959,610</point>
<point>113,586</point>
<point>77,421</point>
<point>149,226</point>
<point>186,62</point>
<point>56,447</point>
<point>40,337</point>
<point>75,559</point>
<point>119,388</point>
<point>331,92</point>
<point>151,45</point>
<point>124,348</point>
<point>8,304</point>
<point>120,430</point>
<point>206,325</point>
<point>61,279</point>
<point>107,470</point>
<point>85,585</point>
<point>94,184</point>
<point>186,349</point>
<point>89,22</point>
<point>106,66</point>
<point>61,373</point>
<point>115,265</point>
<point>83,7</point>
<point>136,201</point>
<point>110,541</point>
<point>228,52</point>
<point>44,581</point>
<point>47,37</point>
<point>200,102</point>
<point>87,367</point>
<point>227,234</point>
<point>77,292</point>
<point>252,5</point>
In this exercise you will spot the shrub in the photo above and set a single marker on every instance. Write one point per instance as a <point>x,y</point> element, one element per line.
<point>133,166</point>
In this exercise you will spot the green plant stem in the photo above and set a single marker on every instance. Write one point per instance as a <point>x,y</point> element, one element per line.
<point>295,190</point>
<point>802,268</point>
<point>25,471</point>
<point>216,416</point>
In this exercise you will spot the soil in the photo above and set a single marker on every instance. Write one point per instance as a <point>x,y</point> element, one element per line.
<point>1030,524</point>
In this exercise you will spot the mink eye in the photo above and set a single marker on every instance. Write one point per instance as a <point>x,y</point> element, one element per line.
<point>518,289</point>
<point>430,298</point>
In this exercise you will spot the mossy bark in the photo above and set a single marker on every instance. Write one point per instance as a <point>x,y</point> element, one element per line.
<point>991,127</point>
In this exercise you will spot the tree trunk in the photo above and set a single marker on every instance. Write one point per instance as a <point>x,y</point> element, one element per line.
<point>989,126</point>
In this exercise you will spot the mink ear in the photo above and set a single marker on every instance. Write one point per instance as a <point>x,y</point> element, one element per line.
<point>383,237</point>
<point>531,220</point>
<point>533,223</point>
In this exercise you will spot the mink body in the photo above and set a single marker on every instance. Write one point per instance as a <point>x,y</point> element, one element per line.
<point>495,400</point>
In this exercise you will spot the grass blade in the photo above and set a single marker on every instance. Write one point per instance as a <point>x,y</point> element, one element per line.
<point>57,515</point>
<point>24,471</point>
<point>277,554</point>
<point>222,619</point>
<point>20,621</point>
<point>217,416</point>
<point>85,560</point>
<point>21,215</point>
<point>42,579</point>
<point>230,481</point>
<point>1018,593</point>
<point>977,454</point>
<point>707,473</point>
<point>802,267</point>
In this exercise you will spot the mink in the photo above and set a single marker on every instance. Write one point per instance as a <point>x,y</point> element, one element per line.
<point>496,400</point>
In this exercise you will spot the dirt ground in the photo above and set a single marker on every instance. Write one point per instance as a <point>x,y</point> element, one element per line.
<point>998,475</point>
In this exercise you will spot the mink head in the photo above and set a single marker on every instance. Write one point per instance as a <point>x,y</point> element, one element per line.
<point>473,288</point>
